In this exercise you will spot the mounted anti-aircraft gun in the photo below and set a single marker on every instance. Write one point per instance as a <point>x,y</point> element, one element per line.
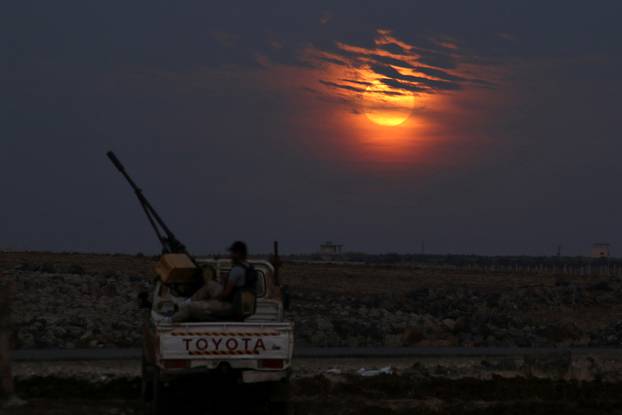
<point>247,341</point>
<point>176,264</point>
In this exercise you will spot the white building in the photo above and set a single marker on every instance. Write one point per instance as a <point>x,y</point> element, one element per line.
<point>600,250</point>
<point>329,248</point>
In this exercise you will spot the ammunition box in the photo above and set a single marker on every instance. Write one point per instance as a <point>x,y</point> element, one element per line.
<point>175,268</point>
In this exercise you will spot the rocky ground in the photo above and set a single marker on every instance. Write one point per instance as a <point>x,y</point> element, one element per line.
<point>75,301</point>
<point>55,310</point>
<point>428,386</point>
<point>461,317</point>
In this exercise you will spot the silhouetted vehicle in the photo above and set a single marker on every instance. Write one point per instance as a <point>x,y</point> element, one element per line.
<point>253,344</point>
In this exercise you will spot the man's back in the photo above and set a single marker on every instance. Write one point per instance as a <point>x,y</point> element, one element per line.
<point>237,275</point>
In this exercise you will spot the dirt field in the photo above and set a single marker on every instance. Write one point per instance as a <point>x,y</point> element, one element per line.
<point>88,263</point>
<point>332,305</point>
<point>385,395</point>
<point>78,300</point>
<point>339,279</point>
<point>361,280</point>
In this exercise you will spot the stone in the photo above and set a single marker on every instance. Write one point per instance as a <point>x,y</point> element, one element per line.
<point>102,311</point>
<point>449,323</point>
<point>460,324</point>
<point>13,401</point>
<point>375,313</point>
<point>411,336</point>
<point>393,340</point>
<point>324,324</point>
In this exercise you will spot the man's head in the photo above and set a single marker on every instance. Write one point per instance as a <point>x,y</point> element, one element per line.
<point>238,251</point>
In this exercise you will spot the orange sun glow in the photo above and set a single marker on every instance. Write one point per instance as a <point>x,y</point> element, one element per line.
<point>387,106</point>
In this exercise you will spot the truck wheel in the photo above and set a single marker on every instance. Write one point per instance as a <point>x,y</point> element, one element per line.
<point>153,392</point>
<point>157,401</point>
<point>281,408</point>
<point>147,390</point>
<point>280,399</point>
<point>147,382</point>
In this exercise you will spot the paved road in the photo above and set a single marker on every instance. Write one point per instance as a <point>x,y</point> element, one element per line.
<point>326,352</point>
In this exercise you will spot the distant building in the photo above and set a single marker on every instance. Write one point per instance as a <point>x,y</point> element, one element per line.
<point>328,248</point>
<point>600,250</point>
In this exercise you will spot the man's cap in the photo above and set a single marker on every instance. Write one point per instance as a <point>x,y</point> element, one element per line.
<point>238,247</point>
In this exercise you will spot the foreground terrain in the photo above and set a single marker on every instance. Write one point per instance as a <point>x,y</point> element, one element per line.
<point>88,301</point>
<point>81,300</point>
<point>541,383</point>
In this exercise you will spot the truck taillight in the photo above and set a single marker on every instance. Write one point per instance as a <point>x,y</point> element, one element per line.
<point>176,364</point>
<point>271,364</point>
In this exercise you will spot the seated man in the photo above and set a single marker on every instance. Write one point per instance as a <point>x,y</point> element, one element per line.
<point>237,275</point>
<point>214,299</point>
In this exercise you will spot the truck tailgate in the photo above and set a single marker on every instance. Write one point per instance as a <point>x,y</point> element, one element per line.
<point>226,340</point>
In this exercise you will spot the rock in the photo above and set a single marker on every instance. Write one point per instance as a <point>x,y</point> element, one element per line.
<point>411,336</point>
<point>13,402</point>
<point>601,286</point>
<point>69,269</point>
<point>375,313</point>
<point>559,333</point>
<point>25,340</point>
<point>449,323</point>
<point>430,325</point>
<point>460,324</point>
<point>393,340</point>
<point>324,324</point>
<point>46,268</point>
<point>57,307</point>
<point>109,290</point>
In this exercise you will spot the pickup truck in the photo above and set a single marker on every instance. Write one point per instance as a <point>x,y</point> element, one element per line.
<point>253,345</point>
<point>255,350</point>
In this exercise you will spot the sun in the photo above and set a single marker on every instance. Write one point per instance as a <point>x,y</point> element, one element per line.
<point>387,106</point>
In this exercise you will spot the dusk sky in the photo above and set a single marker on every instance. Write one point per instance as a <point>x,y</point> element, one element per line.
<point>488,127</point>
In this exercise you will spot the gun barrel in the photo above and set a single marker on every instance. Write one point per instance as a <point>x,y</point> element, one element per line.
<point>169,242</point>
<point>115,161</point>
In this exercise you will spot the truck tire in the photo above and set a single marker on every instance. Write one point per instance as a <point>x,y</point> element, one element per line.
<point>279,402</point>
<point>281,408</point>
<point>158,403</point>
<point>147,383</point>
<point>152,391</point>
